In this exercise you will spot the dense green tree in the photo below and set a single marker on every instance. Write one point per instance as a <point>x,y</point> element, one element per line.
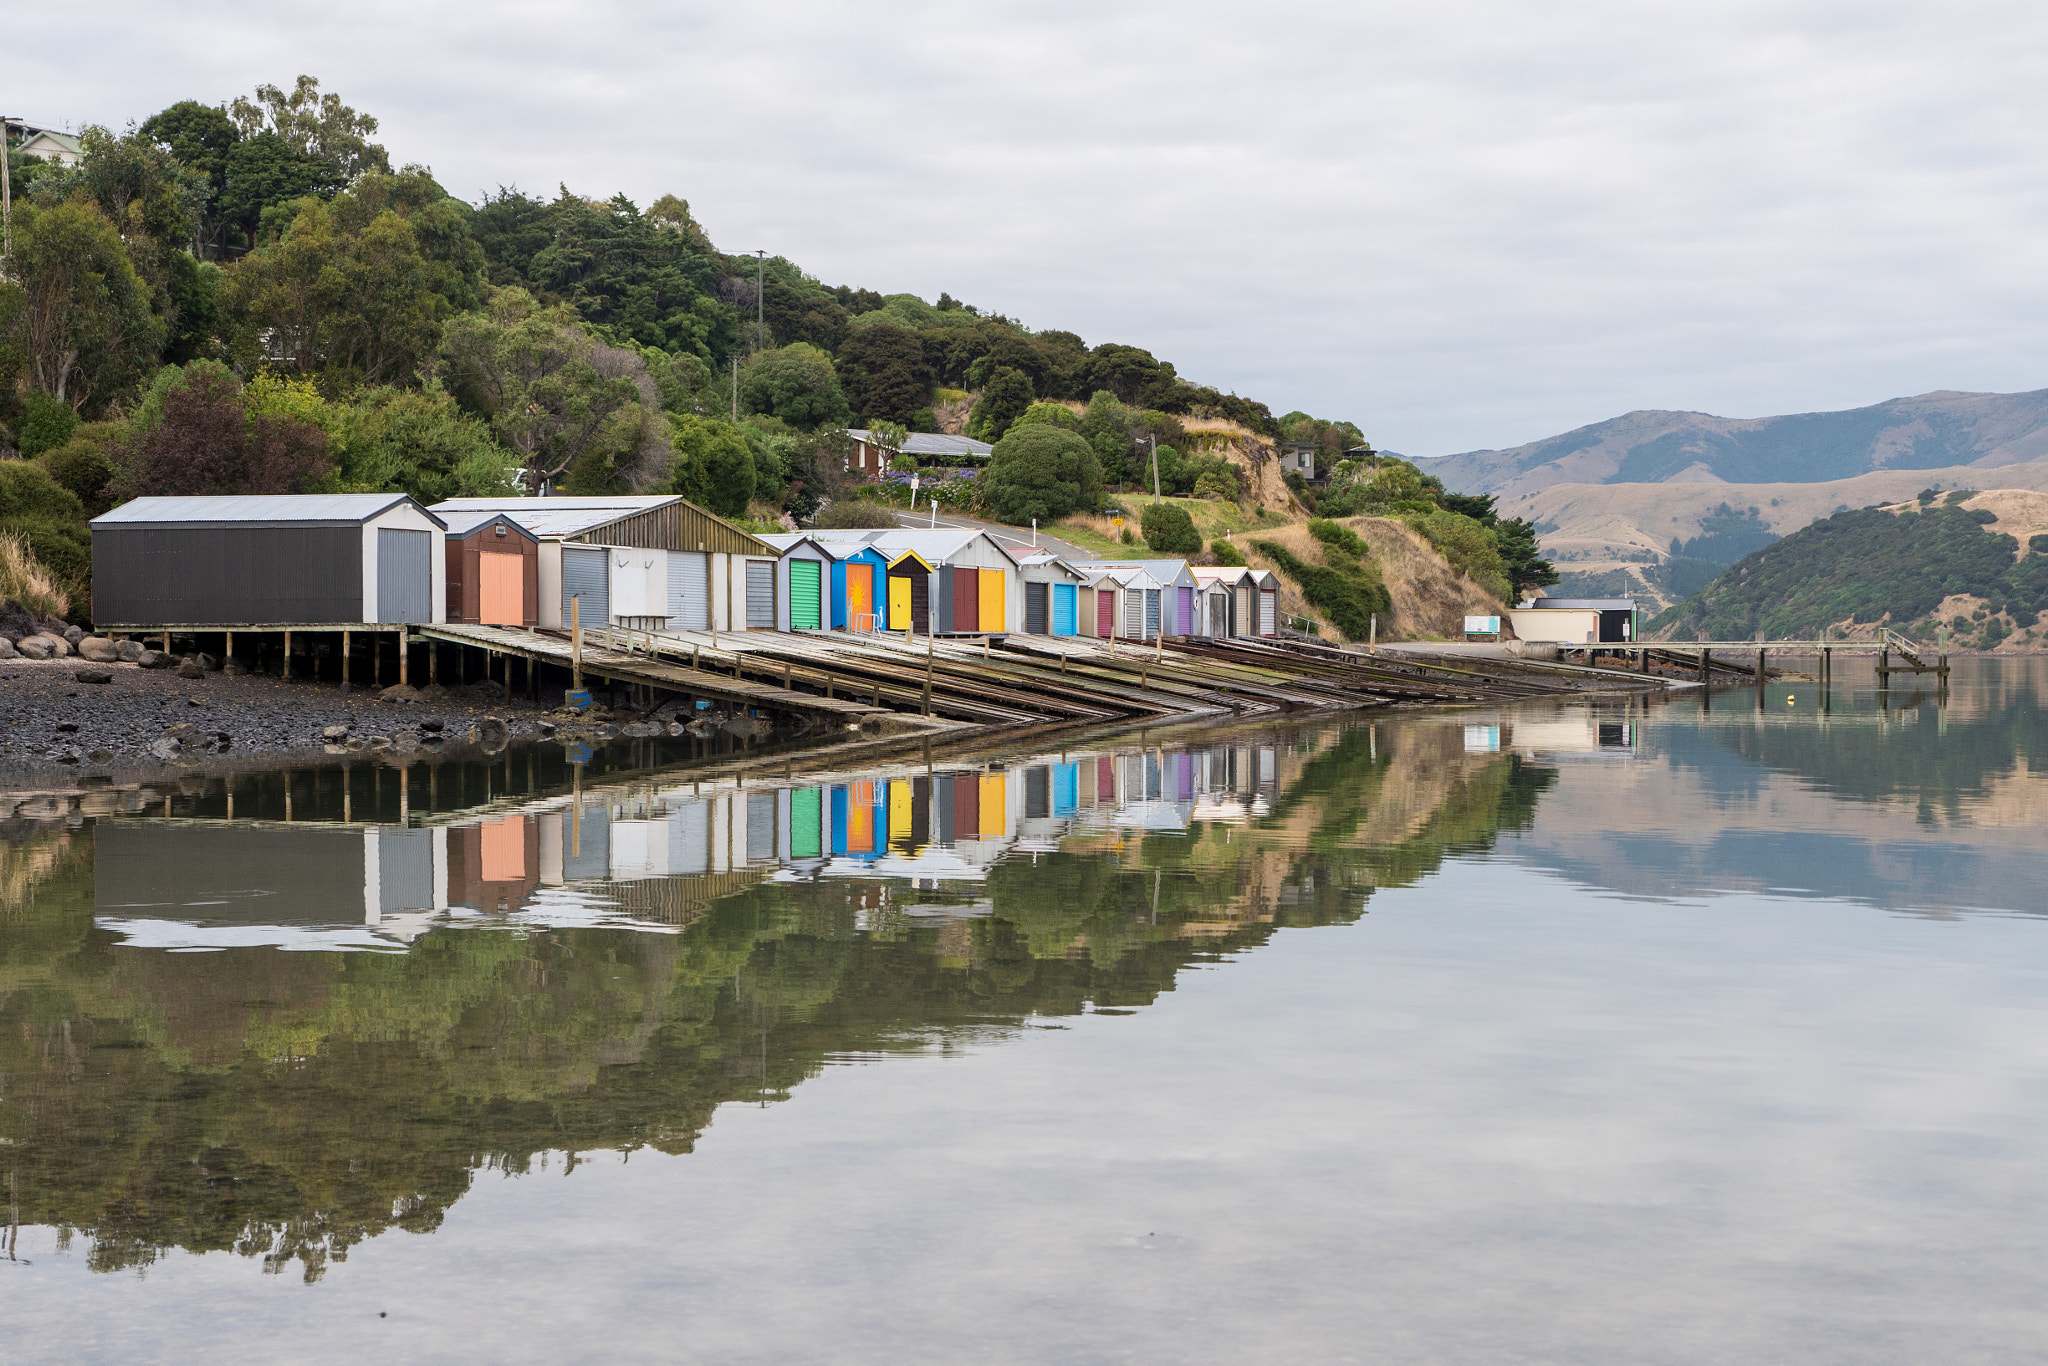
<point>82,465</point>
<point>714,467</point>
<point>46,423</point>
<point>313,125</point>
<point>1168,530</point>
<point>1050,414</point>
<point>201,138</point>
<point>529,373</point>
<point>795,383</point>
<point>420,443</point>
<point>1041,472</point>
<point>1126,371</point>
<point>1106,427</point>
<point>885,373</point>
<point>1003,400</point>
<point>263,172</point>
<point>360,285</point>
<point>1520,557</point>
<point>83,325</point>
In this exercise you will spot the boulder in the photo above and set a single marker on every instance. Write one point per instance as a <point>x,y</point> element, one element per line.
<point>334,733</point>
<point>68,727</point>
<point>155,659</point>
<point>34,647</point>
<point>433,692</point>
<point>93,676</point>
<point>59,647</point>
<point>166,747</point>
<point>400,692</point>
<point>432,724</point>
<point>547,729</point>
<point>130,651</point>
<point>73,634</point>
<point>7,650</point>
<point>404,742</point>
<point>99,650</point>
<point>206,661</point>
<point>333,748</point>
<point>100,756</point>
<point>380,742</point>
<point>234,668</point>
<point>191,669</point>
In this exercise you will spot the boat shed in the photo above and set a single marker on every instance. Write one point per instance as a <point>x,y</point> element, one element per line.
<point>975,586</point>
<point>493,570</point>
<point>276,559</point>
<point>860,587</point>
<point>910,593</point>
<point>654,561</point>
<point>803,582</point>
<point>1051,595</point>
<point>1177,584</point>
<point>1212,607</point>
<point>1126,602</point>
<point>1575,621</point>
<point>1238,586</point>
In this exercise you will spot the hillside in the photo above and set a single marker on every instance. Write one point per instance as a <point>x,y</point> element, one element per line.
<point>1925,432</point>
<point>1976,563</point>
<point>1430,598</point>
<point>1663,542</point>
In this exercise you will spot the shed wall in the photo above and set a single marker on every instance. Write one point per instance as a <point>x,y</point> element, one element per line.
<point>227,575</point>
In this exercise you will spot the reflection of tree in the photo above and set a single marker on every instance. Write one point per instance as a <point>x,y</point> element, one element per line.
<point>286,1106</point>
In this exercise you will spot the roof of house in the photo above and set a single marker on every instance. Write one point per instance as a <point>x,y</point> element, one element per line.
<point>65,142</point>
<point>1079,572</point>
<point>335,508</point>
<point>462,523</point>
<point>1581,604</point>
<point>558,518</point>
<point>933,546</point>
<point>1220,573</point>
<point>1166,571</point>
<point>931,443</point>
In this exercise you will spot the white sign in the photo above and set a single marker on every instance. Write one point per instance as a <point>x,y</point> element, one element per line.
<point>1482,626</point>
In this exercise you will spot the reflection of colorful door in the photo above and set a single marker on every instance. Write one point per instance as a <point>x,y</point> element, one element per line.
<point>966,806</point>
<point>805,836</point>
<point>899,813</point>
<point>1066,789</point>
<point>860,818</point>
<point>501,584</point>
<point>995,805</point>
<point>899,602</point>
<point>993,590</point>
<point>504,841</point>
<point>860,597</point>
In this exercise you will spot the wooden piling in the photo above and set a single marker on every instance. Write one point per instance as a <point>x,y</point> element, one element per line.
<point>287,653</point>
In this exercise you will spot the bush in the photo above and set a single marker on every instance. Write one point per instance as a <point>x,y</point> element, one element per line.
<point>1338,537</point>
<point>1468,545</point>
<point>851,513</point>
<point>46,423</point>
<point>1003,400</point>
<point>1350,593</point>
<point>797,384</point>
<point>1041,472</point>
<point>1128,538</point>
<point>48,518</point>
<point>1048,414</point>
<point>1169,530</point>
<point>81,464</point>
<point>713,465</point>
<point>1226,553</point>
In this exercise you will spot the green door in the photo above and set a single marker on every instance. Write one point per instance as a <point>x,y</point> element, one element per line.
<point>803,595</point>
<point>806,809</point>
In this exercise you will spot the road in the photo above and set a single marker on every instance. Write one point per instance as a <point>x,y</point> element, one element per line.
<point>1016,540</point>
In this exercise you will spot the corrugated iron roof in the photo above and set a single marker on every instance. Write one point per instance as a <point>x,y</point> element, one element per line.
<point>1164,570</point>
<point>933,546</point>
<point>932,443</point>
<point>548,518</point>
<point>274,507</point>
<point>462,523</point>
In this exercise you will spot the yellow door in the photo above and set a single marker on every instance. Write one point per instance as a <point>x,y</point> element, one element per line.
<point>993,589</point>
<point>995,806</point>
<point>899,813</point>
<point>899,602</point>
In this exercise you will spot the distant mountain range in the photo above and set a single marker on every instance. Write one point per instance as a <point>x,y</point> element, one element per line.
<point>1926,432</point>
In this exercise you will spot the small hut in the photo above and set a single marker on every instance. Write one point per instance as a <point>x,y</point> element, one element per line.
<point>910,593</point>
<point>493,570</point>
<point>803,583</point>
<point>1051,586</point>
<point>1177,587</point>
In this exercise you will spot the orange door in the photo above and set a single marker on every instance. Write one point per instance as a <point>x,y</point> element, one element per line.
<point>860,597</point>
<point>501,581</point>
<point>504,840</point>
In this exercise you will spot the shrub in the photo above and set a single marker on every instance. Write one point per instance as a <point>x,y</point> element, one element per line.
<point>1350,593</point>
<point>47,517</point>
<point>851,513</point>
<point>1041,472</point>
<point>1003,400</point>
<point>1128,538</point>
<point>1169,530</point>
<point>1048,414</point>
<point>24,580</point>
<point>796,383</point>
<point>1338,537</point>
<point>46,423</point>
<point>1467,544</point>
<point>81,464</point>
<point>1226,552</point>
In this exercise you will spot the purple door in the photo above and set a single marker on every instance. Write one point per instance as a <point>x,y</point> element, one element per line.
<point>1187,611</point>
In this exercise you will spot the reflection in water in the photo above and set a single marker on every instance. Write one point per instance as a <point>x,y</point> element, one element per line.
<point>503,967</point>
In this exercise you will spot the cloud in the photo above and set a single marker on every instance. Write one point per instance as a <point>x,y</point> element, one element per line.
<point>1465,224</point>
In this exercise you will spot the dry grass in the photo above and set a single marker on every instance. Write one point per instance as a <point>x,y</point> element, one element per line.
<point>24,580</point>
<point>1431,599</point>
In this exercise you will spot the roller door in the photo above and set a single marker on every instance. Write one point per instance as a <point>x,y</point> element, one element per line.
<point>1035,612</point>
<point>1151,613</point>
<point>806,835</point>
<point>405,575</point>
<point>1063,609</point>
<point>760,595</point>
<point>1269,610</point>
<point>689,591</point>
<point>1134,613</point>
<point>803,595</point>
<point>586,574</point>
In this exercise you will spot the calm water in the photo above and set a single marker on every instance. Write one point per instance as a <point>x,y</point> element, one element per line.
<point>1594,1032</point>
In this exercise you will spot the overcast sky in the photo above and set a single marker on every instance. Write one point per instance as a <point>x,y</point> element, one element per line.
<point>1459,224</point>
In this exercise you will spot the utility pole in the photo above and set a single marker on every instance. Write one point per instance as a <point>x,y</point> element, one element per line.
<point>735,391</point>
<point>6,198</point>
<point>760,302</point>
<point>1153,441</point>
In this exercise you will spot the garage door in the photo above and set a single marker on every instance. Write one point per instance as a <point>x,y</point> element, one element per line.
<point>760,595</point>
<point>586,574</point>
<point>1035,608</point>
<point>405,575</point>
<point>1105,612</point>
<point>1269,608</point>
<point>1186,626</point>
<point>1063,609</point>
<point>803,595</point>
<point>689,591</point>
<point>1134,613</point>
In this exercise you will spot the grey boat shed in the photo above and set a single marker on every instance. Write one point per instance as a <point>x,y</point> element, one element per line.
<point>349,559</point>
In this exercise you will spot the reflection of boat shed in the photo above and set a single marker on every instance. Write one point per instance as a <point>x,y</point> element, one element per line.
<point>1575,621</point>
<point>285,559</point>
<point>493,570</point>
<point>655,561</point>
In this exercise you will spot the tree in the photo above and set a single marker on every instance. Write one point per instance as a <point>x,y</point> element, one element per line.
<point>1106,426</point>
<point>636,278</point>
<point>713,466</point>
<point>796,384</point>
<point>529,374</point>
<point>319,127</point>
<point>204,442</point>
<point>885,373</point>
<point>360,285</point>
<point>84,324</point>
<point>1050,414</point>
<point>1523,562</point>
<point>1041,472</point>
<point>46,423</point>
<point>81,463</point>
<point>200,138</point>
<point>262,172</point>
<point>1124,371</point>
<point>423,444</point>
<point>1003,400</point>
<point>1168,530</point>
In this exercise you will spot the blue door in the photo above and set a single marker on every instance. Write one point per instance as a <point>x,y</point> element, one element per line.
<point>1063,609</point>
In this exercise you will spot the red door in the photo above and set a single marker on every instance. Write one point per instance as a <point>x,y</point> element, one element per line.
<point>1105,613</point>
<point>966,599</point>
